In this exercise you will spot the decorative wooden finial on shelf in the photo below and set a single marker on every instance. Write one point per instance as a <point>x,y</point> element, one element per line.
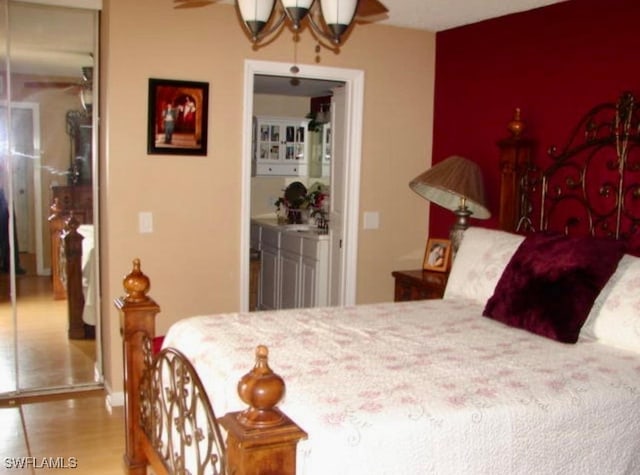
<point>136,284</point>
<point>261,389</point>
<point>515,125</point>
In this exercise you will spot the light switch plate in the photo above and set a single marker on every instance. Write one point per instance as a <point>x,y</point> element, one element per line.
<point>371,220</point>
<point>145,222</point>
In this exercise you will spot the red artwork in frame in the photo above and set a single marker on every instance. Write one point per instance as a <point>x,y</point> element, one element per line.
<point>178,117</point>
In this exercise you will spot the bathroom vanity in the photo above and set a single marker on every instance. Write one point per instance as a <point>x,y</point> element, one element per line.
<point>294,271</point>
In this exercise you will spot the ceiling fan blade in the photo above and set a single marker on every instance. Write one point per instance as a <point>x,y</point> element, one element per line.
<point>370,8</point>
<point>192,3</point>
<point>49,84</point>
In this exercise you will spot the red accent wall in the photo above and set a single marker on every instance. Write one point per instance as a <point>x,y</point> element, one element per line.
<point>555,63</point>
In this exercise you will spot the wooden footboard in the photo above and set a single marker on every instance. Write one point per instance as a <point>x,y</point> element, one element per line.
<point>66,266</point>
<point>72,245</point>
<point>56,226</point>
<point>170,424</point>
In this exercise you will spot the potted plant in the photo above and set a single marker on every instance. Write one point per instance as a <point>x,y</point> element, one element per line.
<point>297,205</point>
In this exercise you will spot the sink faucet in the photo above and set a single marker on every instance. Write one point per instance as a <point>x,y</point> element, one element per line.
<point>322,223</point>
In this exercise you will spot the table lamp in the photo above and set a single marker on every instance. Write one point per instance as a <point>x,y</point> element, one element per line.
<point>455,184</point>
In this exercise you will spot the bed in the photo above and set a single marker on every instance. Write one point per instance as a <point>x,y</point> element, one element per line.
<point>529,364</point>
<point>73,265</point>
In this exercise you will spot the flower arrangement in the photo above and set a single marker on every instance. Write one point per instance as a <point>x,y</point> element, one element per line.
<point>298,208</point>
<point>317,197</point>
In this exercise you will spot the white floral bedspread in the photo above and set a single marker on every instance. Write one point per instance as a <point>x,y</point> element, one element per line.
<point>429,387</point>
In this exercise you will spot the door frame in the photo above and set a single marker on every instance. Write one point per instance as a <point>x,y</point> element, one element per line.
<point>354,87</point>
<point>35,226</point>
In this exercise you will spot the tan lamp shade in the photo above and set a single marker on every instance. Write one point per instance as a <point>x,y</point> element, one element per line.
<point>454,183</point>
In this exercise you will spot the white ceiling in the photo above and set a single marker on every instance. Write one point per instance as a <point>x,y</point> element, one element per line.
<point>438,15</point>
<point>288,86</point>
<point>64,44</point>
<point>431,15</point>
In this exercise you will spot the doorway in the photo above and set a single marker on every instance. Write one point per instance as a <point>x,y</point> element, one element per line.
<point>39,88</point>
<point>344,231</point>
<point>25,137</point>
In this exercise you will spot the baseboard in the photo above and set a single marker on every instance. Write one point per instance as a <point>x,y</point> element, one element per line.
<point>114,399</point>
<point>97,374</point>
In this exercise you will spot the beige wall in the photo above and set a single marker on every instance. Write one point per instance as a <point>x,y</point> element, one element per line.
<point>193,255</point>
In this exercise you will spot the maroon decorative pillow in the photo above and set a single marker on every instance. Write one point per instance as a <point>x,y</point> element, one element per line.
<point>551,282</point>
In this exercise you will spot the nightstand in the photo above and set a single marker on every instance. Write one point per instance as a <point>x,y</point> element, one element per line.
<point>419,284</point>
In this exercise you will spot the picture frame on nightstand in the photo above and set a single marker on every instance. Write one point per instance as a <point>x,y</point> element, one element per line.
<point>437,255</point>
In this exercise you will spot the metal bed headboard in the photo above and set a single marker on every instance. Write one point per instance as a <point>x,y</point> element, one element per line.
<point>593,184</point>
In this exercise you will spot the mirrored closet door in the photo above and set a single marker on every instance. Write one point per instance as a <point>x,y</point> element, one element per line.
<point>49,327</point>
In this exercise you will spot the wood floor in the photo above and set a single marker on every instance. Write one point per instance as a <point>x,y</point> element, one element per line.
<point>40,433</point>
<point>46,356</point>
<point>71,430</point>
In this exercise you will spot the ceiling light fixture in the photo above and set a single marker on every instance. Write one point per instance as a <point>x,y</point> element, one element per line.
<point>329,19</point>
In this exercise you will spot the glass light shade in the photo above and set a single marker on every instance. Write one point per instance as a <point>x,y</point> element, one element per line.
<point>338,15</point>
<point>296,10</point>
<point>255,14</point>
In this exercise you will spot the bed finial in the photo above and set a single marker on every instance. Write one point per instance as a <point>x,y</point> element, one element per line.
<point>55,208</point>
<point>136,284</point>
<point>262,390</point>
<point>72,222</point>
<point>261,439</point>
<point>515,125</point>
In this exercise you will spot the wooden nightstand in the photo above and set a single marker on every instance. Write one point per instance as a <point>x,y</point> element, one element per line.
<point>419,284</point>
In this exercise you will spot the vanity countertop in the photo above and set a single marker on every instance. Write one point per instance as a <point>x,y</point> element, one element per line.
<point>303,230</point>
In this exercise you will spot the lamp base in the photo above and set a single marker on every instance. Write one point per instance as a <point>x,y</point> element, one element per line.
<point>458,228</point>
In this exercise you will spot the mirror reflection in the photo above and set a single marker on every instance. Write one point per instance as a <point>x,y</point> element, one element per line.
<point>48,279</point>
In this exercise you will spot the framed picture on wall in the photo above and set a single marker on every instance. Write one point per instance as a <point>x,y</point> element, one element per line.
<point>178,117</point>
<point>437,256</point>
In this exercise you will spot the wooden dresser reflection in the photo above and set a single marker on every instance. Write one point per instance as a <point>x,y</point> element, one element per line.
<point>76,198</point>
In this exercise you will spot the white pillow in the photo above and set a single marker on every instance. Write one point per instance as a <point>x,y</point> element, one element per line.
<point>482,257</point>
<point>615,316</point>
